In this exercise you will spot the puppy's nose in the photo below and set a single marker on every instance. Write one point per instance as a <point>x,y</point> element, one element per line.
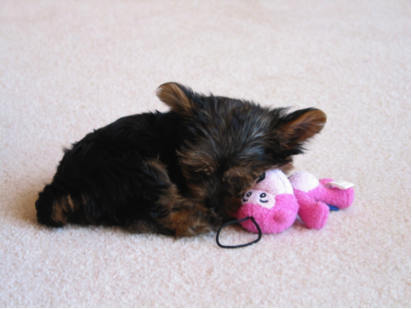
<point>213,203</point>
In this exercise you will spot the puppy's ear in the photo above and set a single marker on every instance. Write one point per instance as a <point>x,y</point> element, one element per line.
<point>176,97</point>
<point>301,125</point>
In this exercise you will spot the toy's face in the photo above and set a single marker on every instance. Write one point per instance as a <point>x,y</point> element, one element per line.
<point>258,197</point>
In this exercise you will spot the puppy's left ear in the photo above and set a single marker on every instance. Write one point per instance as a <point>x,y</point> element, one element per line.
<point>176,97</point>
<point>301,125</point>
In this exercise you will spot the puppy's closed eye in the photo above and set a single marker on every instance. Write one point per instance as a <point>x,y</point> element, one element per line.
<point>261,178</point>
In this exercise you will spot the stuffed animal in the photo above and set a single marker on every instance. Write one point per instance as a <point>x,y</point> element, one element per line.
<point>275,201</point>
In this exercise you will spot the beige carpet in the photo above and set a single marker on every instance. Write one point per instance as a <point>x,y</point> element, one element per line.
<point>67,67</point>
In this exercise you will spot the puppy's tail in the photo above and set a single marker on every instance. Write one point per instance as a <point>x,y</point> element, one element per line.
<point>54,206</point>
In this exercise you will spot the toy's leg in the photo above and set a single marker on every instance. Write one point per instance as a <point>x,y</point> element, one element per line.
<point>306,182</point>
<point>334,196</point>
<point>314,214</point>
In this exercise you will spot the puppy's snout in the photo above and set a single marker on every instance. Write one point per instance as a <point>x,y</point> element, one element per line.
<point>217,201</point>
<point>213,203</point>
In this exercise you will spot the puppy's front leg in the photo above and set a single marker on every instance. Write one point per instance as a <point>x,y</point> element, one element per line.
<point>187,217</point>
<point>178,215</point>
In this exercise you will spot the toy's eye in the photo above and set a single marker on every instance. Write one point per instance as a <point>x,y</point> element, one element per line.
<point>248,194</point>
<point>263,195</point>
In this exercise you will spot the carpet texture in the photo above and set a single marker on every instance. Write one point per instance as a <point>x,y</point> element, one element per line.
<point>68,67</point>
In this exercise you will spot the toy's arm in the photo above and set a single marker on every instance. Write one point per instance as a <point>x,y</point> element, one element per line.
<point>314,214</point>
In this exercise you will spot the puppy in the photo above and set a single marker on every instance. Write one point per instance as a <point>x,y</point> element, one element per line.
<point>178,173</point>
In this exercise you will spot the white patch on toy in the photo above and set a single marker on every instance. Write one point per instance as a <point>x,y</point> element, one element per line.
<point>304,181</point>
<point>343,185</point>
<point>275,183</point>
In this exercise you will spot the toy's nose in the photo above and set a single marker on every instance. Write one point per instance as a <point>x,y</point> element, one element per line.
<point>244,200</point>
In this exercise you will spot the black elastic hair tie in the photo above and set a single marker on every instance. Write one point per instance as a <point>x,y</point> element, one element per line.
<point>234,222</point>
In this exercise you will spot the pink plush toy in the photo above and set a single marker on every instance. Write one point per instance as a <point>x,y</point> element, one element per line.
<point>275,201</point>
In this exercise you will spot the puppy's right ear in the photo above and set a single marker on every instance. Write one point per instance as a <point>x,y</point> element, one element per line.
<point>176,97</point>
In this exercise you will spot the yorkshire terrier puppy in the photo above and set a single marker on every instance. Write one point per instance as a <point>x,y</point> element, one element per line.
<point>178,173</point>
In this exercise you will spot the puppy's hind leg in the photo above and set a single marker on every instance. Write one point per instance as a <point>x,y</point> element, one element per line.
<point>53,206</point>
